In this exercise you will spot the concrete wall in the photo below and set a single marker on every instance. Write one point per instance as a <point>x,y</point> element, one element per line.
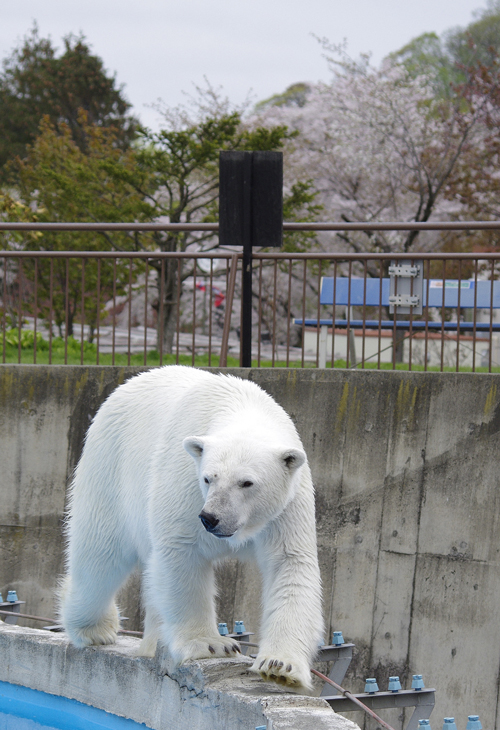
<point>408,510</point>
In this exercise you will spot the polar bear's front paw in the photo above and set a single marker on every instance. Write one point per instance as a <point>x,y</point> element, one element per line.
<point>208,648</point>
<point>287,672</point>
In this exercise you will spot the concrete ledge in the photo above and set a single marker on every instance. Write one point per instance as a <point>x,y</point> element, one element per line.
<point>212,694</point>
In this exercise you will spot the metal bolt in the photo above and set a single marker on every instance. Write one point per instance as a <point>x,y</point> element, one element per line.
<point>417,682</point>
<point>12,596</point>
<point>337,638</point>
<point>223,629</point>
<point>371,686</point>
<point>449,723</point>
<point>474,723</point>
<point>239,627</point>
<point>424,725</point>
<point>394,684</point>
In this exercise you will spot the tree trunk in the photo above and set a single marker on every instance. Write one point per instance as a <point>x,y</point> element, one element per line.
<point>400,347</point>
<point>167,304</point>
<point>401,335</point>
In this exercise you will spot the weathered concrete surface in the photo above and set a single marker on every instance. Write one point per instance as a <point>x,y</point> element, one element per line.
<point>44,415</point>
<point>408,510</point>
<point>213,694</point>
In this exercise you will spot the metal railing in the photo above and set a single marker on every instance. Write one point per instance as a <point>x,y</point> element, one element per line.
<point>94,297</point>
<point>106,307</point>
<point>357,334</point>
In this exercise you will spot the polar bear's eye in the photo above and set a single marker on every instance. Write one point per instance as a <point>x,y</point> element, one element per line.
<point>247,484</point>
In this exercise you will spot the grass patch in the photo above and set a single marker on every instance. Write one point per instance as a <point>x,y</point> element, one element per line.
<point>90,358</point>
<point>71,351</point>
<point>415,367</point>
<point>153,359</point>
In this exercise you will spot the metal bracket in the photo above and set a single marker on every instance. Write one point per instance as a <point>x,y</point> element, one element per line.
<point>341,655</point>
<point>245,636</point>
<point>422,700</point>
<point>406,287</point>
<point>14,607</point>
<point>404,300</point>
<point>404,270</point>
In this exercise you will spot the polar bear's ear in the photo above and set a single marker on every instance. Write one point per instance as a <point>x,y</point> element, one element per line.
<point>194,446</point>
<point>293,458</point>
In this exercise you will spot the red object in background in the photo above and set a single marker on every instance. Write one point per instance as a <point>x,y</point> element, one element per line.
<point>217,293</point>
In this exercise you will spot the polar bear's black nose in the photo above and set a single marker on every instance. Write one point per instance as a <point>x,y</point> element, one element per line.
<point>210,522</point>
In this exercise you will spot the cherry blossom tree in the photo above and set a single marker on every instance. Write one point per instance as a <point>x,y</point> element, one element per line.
<point>381,146</point>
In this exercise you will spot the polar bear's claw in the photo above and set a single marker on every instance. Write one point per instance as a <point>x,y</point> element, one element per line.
<point>207,649</point>
<point>282,672</point>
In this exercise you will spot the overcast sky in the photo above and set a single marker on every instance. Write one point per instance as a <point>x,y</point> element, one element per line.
<point>160,48</point>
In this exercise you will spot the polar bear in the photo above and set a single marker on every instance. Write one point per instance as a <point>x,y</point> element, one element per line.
<point>182,468</point>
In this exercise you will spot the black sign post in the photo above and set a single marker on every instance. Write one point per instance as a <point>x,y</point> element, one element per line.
<point>250,214</point>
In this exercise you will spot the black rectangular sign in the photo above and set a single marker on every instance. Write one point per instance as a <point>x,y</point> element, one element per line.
<point>251,199</point>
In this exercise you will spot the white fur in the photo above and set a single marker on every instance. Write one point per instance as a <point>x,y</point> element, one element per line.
<point>165,446</point>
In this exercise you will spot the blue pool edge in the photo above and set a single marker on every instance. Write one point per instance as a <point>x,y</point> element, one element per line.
<point>60,712</point>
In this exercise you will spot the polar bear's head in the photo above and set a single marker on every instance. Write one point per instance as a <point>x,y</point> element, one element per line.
<point>245,482</point>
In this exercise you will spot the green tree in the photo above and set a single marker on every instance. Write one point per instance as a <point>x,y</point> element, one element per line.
<point>58,182</point>
<point>36,82</point>
<point>427,56</point>
<point>294,95</point>
<point>479,43</point>
<point>453,59</point>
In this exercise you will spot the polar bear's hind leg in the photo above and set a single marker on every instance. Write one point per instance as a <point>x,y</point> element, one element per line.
<point>152,631</point>
<point>102,632</point>
<point>87,602</point>
<point>85,622</point>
